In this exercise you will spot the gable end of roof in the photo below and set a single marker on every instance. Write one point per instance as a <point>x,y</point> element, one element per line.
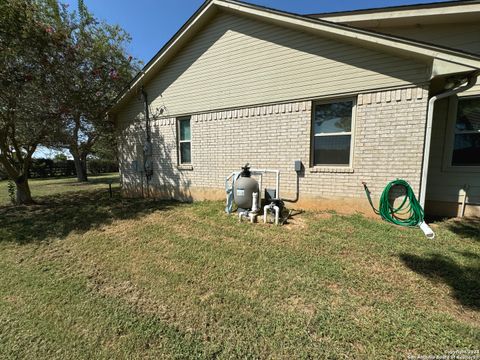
<point>336,30</point>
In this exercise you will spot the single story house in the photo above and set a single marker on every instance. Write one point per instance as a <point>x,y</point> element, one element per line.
<point>370,95</point>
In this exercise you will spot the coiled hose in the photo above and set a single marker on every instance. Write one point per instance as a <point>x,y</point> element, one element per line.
<point>409,213</point>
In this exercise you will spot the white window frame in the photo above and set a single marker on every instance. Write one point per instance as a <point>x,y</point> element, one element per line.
<point>348,166</point>
<point>450,137</point>
<point>179,141</point>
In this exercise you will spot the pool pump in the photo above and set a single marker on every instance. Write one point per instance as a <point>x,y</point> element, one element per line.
<point>243,190</point>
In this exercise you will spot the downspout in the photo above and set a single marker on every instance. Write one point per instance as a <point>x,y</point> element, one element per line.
<point>472,79</point>
<point>147,148</point>
<point>147,114</point>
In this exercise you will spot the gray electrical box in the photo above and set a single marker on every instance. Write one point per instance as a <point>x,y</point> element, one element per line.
<point>134,166</point>
<point>298,165</point>
<point>148,149</point>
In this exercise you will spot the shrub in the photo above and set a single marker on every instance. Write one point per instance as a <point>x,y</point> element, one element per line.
<point>99,166</point>
<point>44,168</point>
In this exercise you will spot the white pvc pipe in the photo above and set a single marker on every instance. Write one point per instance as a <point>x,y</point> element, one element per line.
<point>427,230</point>
<point>230,176</point>
<point>265,210</point>
<point>472,79</point>
<point>241,215</point>
<point>464,200</point>
<point>255,202</point>
<point>277,178</point>
<point>260,190</point>
<point>277,213</point>
<point>278,185</point>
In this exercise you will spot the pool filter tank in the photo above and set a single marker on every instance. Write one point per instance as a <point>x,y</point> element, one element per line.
<point>245,187</point>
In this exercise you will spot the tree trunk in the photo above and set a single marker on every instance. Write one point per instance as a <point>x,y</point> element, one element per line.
<point>80,167</point>
<point>23,196</point>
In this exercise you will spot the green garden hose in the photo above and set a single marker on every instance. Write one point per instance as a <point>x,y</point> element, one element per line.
<point>409,213</point>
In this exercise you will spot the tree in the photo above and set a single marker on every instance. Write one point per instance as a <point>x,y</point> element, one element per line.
<point>106,147</point>
<point>60,157</point>
<point>96,69</point>
<point>30,44</point>
<point>59,71</point>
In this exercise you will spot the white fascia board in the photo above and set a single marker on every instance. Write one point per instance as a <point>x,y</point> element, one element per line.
<point>442,67</point>
<point>457,9</point>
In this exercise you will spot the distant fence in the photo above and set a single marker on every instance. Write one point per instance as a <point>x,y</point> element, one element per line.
<point>96,166</point>
<point>45,168</point>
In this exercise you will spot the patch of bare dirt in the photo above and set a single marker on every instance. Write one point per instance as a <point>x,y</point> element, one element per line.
<point>296,303</point>
<point>295,223</point>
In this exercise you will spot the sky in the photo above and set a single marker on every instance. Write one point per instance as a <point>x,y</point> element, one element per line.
<point>151,23</point>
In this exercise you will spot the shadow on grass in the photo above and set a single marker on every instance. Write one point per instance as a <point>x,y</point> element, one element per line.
<point>99,179</point>
<point>92,180</point>
<point>464,280</point>
<point>59,215</point>
<point>468,227</point>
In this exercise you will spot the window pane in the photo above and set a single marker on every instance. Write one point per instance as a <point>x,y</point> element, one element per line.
<point>185,153</point>
<point>331,118</point>
<point>332,150</point>
<point>466,150</point>
<point>185,129</point>
<point>468,116</point>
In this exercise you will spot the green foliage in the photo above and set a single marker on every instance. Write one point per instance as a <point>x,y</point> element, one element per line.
<point>60,157</point>
<point>31,44</point>
<point>96,69</point>
<point>44,168</point>
<point>59,71</point>
<point>106,147</point>
<point>100,166</point>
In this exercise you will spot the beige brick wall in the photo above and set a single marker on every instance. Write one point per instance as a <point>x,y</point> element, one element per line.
<point>388,143</point>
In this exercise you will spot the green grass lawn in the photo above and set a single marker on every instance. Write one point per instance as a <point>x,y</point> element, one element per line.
<point>43,187</point>
<point>84,276</point>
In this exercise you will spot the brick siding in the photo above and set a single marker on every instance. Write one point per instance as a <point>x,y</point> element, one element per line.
<point>388,144</point>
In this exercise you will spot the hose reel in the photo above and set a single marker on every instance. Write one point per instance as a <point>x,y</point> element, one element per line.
<point>409,213</point>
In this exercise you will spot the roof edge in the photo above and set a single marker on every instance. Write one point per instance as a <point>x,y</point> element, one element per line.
<point>342,30</point>
<point>349,28</point>
<point>430,5</point>
<point>164,48</point>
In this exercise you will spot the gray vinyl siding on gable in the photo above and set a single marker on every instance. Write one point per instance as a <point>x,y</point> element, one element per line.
<point>461,36</point>
<point>237,61</point>
<point>464,37</point>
